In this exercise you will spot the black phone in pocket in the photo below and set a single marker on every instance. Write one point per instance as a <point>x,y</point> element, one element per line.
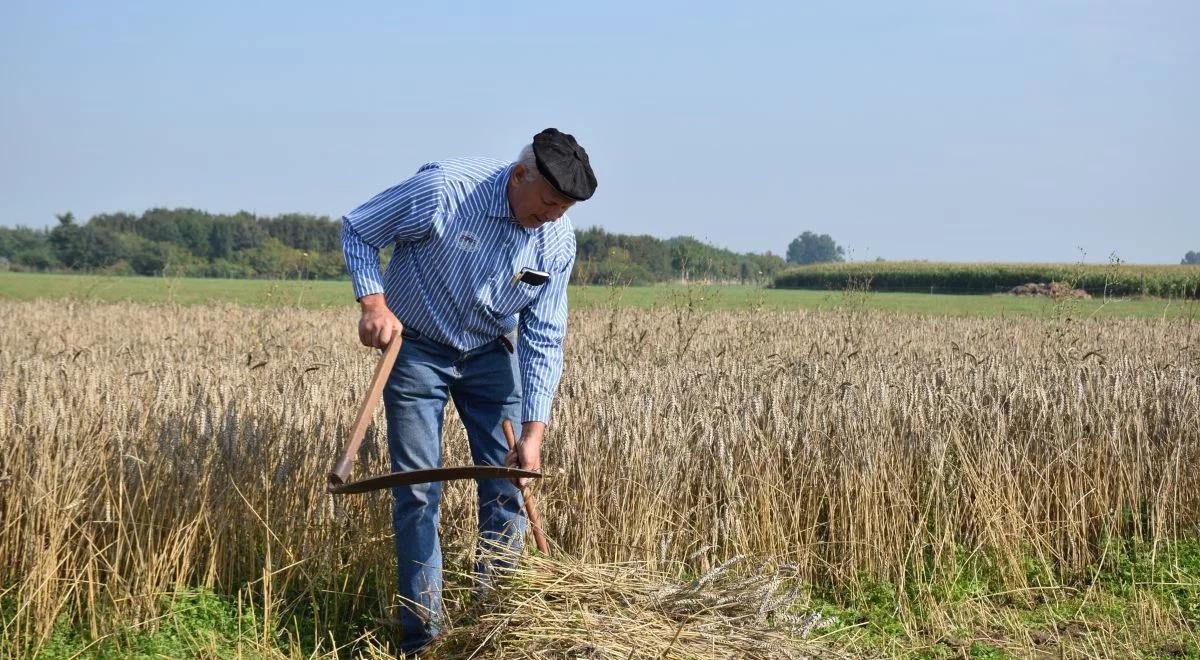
<point>531,277</point>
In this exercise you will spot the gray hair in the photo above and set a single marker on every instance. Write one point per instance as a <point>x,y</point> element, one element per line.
<point>530,162</point>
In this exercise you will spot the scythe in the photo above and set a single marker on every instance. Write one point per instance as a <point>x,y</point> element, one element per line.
<point>339,477</point>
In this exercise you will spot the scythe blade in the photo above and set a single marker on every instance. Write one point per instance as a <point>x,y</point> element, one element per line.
<point>411,477</point>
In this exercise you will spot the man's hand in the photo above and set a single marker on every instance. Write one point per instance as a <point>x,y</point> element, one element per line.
<point>378,325</point>
<point>528,452</point>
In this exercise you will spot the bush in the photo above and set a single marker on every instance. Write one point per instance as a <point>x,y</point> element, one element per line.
<point>924,277</point>
<point>39,257</point>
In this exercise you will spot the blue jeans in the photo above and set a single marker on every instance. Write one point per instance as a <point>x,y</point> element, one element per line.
<point>485,385</point>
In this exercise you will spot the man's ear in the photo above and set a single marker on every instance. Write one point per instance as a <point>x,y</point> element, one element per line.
<point>518,174</point>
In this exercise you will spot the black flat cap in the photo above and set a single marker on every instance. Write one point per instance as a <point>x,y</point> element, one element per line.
<point>564,164</point>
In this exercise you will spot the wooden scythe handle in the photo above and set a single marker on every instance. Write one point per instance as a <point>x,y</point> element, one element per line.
<point>535,521</point>
<point>340,473</point>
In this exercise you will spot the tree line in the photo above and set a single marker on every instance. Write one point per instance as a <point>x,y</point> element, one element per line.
<point>191,243</point>
<point>606,258</point>
<point>180,242</point>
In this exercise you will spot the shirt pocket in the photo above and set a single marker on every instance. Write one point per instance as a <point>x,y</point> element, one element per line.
<point>512,298</point>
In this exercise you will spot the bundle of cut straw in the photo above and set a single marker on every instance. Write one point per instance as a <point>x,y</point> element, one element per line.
<point>559,607</point>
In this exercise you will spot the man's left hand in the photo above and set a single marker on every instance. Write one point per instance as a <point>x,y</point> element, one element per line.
<point>528,452</point>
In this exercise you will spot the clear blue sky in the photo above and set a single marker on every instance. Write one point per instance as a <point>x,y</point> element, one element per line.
<point>1014,131</point>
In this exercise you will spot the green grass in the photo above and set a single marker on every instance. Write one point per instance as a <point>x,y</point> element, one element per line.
<point>1101,613</point>
<point>194,623</point>
<point>184,291</point>
<point>200,623</point>
<point>307,293</point>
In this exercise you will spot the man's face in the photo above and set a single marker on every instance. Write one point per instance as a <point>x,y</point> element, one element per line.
<point>536,202</point>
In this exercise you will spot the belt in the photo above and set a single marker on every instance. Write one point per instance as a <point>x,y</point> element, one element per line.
<point>409,333</point>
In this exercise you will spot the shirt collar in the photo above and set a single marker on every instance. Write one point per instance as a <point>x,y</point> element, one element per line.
<point>499,207</point>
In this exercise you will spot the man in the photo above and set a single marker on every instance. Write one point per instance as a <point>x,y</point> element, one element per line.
<point>474,239</point>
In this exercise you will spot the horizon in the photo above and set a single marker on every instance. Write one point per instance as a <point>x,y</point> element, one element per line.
<point>781,254</point>
<point>932,131</point>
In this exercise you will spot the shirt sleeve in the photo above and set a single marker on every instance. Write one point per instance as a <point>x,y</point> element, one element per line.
<point>543,326</point>
<point>405,212</point>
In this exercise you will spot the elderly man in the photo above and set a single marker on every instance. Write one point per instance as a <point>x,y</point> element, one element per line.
<point>482,249</point>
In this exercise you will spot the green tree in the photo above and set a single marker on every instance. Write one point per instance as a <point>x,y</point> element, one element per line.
<point>809,248</point>
<point>85,247</point>
<point>37,257</point>
<point>248,232</point>
<point>160,226</point>
<point>147,257</point>
<point>1191,259</point>
<point>220,240</point>
<point>27,249</point>
<point>683,256</point>
<point>125,223</point>
<point>65,239</point>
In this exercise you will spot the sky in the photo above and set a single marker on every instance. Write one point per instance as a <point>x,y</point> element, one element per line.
<point>952,131</point>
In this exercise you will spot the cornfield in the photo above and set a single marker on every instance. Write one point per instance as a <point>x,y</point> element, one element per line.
<point>146,447</point>
<point>1115,279</point>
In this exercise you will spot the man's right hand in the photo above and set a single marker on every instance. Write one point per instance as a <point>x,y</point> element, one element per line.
<point>378,324</point>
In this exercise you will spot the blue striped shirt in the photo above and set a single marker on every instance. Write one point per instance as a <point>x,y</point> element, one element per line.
<point>456,250</point>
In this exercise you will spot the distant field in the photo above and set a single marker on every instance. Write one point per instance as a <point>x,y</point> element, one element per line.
<point>316,294</point>
<point>1174,281</point>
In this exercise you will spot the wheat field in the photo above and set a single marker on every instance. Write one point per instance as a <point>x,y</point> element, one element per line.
<point>146,447</point>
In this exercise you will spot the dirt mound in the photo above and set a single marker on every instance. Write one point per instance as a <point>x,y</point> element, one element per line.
<point>1055,290</point>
